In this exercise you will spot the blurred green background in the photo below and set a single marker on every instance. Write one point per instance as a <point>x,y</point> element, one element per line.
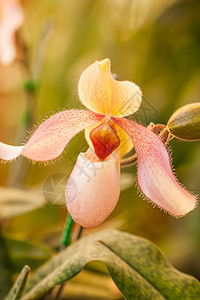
<point>156,44</point>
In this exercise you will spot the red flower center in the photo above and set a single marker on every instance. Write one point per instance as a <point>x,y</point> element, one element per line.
<point>104,139</point>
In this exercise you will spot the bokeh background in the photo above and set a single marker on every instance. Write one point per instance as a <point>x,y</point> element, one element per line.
<point>156,44</point>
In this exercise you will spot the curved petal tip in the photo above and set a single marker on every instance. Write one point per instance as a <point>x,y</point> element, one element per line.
<point>8,152</point>
<point>155,176</point>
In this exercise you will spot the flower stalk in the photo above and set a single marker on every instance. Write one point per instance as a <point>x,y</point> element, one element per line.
<point>65,239</point>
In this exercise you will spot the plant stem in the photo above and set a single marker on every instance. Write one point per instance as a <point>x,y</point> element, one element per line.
<point>66,232</point>
<point>129,161</point>
<point>80,232</point>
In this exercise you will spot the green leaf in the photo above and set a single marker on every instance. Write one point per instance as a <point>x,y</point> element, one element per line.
<point>14,202</point>
<point>19,284</point>
<point>137,267</point>
<point>185,122</point>
<point>22,252</point>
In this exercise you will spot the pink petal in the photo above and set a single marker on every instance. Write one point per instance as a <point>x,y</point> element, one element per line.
<point>155,176</point>
<point>93,189</point>
<point>8,152</point>
<point>52,136</point>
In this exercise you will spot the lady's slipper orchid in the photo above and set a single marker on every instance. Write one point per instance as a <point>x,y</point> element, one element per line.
<point>11,18</point>
<point>96,173</point>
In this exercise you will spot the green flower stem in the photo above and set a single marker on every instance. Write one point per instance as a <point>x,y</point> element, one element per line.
<point>66,232</point>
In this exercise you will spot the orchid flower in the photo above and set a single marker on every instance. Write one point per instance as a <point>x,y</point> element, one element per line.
<point>11,18</point>
<point>96,175</point>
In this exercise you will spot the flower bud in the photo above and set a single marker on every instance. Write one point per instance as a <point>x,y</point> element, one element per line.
<point>184,124</point>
